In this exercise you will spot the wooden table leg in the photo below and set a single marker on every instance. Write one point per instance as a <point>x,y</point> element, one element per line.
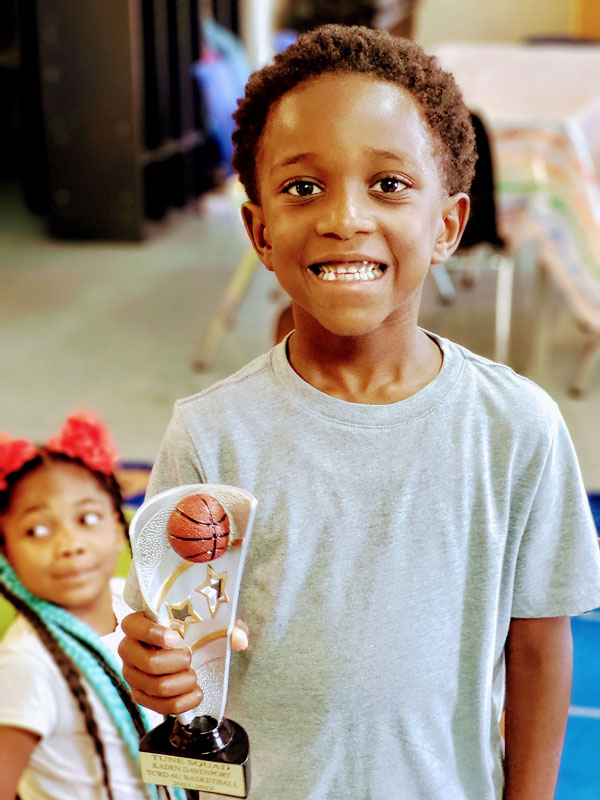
<point>225,312</point>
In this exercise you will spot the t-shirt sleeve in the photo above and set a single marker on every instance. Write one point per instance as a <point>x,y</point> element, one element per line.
<point>27,698</point>
<point>558,563</point>
<point>177,463</point>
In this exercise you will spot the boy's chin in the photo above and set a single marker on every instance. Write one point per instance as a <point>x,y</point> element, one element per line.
<point>355,327</point>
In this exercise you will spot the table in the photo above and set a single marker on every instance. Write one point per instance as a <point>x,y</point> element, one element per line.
<point>541,104</point>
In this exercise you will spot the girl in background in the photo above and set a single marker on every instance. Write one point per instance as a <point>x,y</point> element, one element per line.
<point>68,725</point>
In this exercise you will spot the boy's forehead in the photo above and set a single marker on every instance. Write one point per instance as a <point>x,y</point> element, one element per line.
<point>342,106</point>
<point>332,88</point>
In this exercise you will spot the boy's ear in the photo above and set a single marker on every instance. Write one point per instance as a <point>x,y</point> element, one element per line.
<point>254,222</point>
<point>455,213</point>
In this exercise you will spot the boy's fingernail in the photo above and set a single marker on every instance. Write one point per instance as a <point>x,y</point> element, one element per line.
<point>239,639</point>
<point>172,639</point>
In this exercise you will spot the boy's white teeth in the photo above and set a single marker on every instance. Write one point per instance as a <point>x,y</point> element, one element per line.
<point>359,271</point>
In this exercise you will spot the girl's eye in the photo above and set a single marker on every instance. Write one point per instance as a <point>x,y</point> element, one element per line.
<point>39,531</point>
<point>390,185</point>
<point>302,189</point>
<point>90,518</point>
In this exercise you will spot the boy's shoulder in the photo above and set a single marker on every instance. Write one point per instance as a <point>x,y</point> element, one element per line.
<point>253,372</point>
<point>504,375</point>
<point>468,382</point>
<point>497,388</point>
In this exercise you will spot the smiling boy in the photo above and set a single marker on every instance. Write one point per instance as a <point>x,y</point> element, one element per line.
<point>422,533</point>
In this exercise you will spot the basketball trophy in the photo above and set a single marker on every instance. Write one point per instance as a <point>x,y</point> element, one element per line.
<point>189,544</point>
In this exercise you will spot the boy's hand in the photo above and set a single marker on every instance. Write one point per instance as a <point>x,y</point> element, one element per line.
<point>158,670</point>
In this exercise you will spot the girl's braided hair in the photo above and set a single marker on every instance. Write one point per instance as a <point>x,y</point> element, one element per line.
<point>356,49</point>
<point>76,649</point>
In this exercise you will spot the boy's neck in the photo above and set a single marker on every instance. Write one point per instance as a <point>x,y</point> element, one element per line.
<point>374,370</point>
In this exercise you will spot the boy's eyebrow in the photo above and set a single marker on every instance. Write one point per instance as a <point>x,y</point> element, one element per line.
<point>399,156</point>
<point>389,154</point>
<point>286,162</point>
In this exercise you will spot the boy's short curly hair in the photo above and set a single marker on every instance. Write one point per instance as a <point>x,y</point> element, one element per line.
<point>337,48</point>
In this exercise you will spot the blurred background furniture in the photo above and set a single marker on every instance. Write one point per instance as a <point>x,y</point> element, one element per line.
<point>115,122</point>
<point>542,108</point>
<point>482,247</point>
<point>223,317</point>
<point>395,16</point>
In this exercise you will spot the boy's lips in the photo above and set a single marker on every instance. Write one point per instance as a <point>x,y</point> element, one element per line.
<point>348,269</point>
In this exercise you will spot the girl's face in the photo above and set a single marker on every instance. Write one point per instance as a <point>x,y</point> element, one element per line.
<point>62,536</point>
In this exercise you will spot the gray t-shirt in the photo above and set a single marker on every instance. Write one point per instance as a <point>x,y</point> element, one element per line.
<point>391,547</point>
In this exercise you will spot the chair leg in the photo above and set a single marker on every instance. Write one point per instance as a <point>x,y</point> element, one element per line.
<point>225,312</point>
<point>504,287</point>
<point>444,285</point>
<point>587,360</point>
<point>541,324</point>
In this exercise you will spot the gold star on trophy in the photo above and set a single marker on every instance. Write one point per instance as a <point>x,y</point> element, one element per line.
<point>181,616</point>
<point>214,589</point>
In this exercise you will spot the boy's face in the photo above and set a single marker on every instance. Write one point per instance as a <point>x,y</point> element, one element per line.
<point>352,206</point>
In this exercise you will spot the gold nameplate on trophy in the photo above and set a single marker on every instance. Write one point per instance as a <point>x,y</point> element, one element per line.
<point>203,776</point>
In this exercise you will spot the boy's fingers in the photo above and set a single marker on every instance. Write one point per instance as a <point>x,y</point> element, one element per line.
<point>170,685</point>
<point>166,692</point>
<point>138,626</point>
<point>153,661</point>
<point>239,636</point>
<point>168,705</point>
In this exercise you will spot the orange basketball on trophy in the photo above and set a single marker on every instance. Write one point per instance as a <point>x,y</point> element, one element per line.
<point>198,528</point>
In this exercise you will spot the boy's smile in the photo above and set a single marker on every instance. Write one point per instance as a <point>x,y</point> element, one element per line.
<point>353,269</point>
<point>352,206</point>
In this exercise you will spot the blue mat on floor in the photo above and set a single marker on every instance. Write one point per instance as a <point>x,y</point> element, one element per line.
<point>579,774</point>
<point>133,480</point>
<point>595,505</point>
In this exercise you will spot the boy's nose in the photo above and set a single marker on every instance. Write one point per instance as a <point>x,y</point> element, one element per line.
<point>344,214</point>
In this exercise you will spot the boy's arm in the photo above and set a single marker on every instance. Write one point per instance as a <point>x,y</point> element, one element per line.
<point>539,663</point>
<point>16,747</point>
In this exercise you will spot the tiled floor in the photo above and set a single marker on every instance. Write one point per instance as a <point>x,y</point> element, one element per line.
<point>114,326</point>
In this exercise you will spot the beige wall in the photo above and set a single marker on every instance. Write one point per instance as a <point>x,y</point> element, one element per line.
<point>491,20</point>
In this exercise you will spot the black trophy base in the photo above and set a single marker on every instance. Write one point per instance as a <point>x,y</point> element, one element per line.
<point>204,756</point>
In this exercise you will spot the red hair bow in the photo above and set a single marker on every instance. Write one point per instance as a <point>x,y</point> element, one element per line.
<point>82,436</point>
<point>14,453</point>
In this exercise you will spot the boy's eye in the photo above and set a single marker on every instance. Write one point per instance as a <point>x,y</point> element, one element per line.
<point>90,518</point>
<point>39,531</point>
<point>302,188</point>
<point>390,185</point>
